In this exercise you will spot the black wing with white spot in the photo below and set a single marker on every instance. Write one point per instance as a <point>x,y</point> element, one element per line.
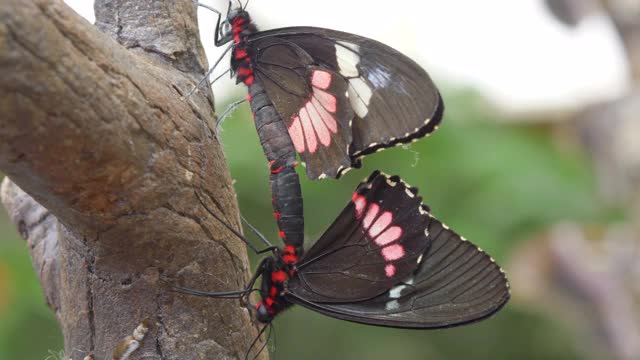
<point>373,244</point>
<point>453,282</point>
<point>393,100</point>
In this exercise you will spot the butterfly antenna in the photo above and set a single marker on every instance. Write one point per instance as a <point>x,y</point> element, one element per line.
<point>245,5</point>
<point>254,342</point>
<point>234,231</point>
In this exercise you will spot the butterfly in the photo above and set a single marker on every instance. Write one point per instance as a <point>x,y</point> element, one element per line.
<point>329,96</point>
<point>386,260</point>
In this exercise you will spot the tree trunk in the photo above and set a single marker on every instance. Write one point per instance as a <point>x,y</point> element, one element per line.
<point>104,159</point>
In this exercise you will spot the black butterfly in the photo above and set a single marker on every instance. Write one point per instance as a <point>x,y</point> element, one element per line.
<point>330,96</point>
<point>384,261</point>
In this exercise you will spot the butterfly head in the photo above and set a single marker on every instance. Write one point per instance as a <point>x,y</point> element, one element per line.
<point>237,25</point>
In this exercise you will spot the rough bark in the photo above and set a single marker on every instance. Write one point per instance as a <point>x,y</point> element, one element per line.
<point>104,159</point>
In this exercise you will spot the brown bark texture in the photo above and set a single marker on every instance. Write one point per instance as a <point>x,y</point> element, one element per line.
<point>104,158</point>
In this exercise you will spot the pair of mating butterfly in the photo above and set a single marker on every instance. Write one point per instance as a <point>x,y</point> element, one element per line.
<point>333,97</point>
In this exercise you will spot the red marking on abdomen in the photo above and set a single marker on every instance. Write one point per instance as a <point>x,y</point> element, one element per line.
<point>240,53</point>
<point>289,259</point>
<point>278,276</point>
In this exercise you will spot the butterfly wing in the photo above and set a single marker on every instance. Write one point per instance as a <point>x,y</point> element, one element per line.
<point>393,100</point>
<point>452,282</point>
<point>374,244</point>
<point>311,102</point>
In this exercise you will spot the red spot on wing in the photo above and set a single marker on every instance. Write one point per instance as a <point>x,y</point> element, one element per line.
<point>360,203</point>
<point>382,223</point>
<point>390,270</point>
<point>320,79</point>
<point>249,80</point>
<point>327,118</point>
<point>276,215</point>
<point>296,134</point>
<point>378,227</point>
<point>273,291</point>
<point>309,134</point>
<point>372,212</point>
<point>318,124</point>
<point>325,99</point>
<point>393,252</point>
<point>282,234</point>
<point>388,236</point>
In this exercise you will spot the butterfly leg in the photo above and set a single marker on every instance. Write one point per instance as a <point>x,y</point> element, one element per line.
<point>206,76</point>
<point>238,294</point>
<point>230,228</point>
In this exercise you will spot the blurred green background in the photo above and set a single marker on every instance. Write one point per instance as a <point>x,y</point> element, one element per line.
<point>495,182</point>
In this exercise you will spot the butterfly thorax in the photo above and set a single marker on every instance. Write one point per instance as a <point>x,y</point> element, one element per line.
<point>241,27</point>
<point>276,272</point>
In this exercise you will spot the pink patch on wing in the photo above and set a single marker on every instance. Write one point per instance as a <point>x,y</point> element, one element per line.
<point>320,79</point>
<point>325,99</point>
<point>318,124</point>
<point>388,236</point>
<point>393,252</point>
<point>383,221</point>
<point>309,134</point>
<point>390,270</point>
<point>360,203</point>
<point>371,214</point>
<point>296,134</point>
<point>328,119</point>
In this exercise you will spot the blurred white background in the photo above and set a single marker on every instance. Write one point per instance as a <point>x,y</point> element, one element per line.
<point>513,52</point>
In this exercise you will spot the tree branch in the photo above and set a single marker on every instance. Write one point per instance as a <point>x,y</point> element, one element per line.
<point>98,135</point>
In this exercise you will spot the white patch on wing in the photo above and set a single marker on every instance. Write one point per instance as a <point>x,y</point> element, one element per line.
<point>392,305</point>
<point>396,291</point>
<point>348,57</point>
<point>379,77</point>
<point>359,96</point>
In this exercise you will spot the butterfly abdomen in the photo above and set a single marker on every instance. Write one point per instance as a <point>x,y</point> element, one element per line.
<point>284,181</point>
